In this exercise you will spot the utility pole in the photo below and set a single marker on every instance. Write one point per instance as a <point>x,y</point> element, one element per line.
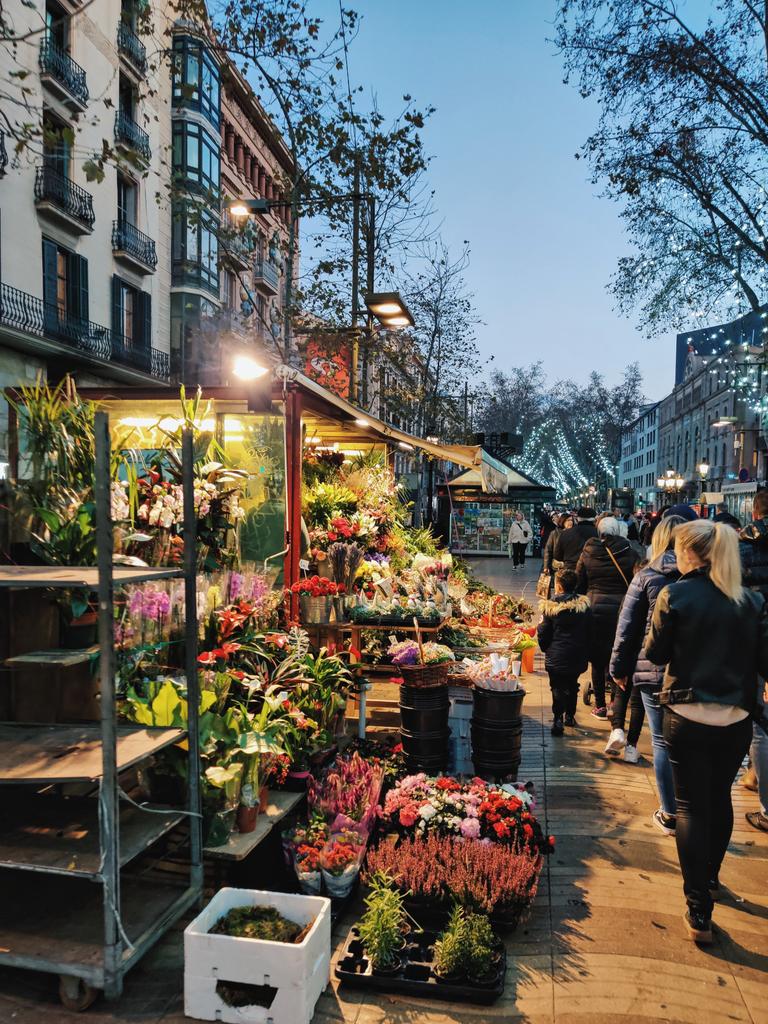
<point>355,353</point>
<point>369,284</point>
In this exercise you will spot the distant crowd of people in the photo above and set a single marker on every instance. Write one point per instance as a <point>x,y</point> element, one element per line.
<point>669,613</point>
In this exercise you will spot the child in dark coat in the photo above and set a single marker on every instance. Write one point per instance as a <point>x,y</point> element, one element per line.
<point>564,637</point>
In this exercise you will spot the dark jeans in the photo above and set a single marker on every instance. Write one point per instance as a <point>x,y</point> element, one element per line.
<point>518,554</point>
<point>704,759</point>
<point>630,698</point>
<point>565,692</point>
<point>599,677</point>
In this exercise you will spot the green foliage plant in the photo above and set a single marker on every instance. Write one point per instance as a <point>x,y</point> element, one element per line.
<point>381,926</point>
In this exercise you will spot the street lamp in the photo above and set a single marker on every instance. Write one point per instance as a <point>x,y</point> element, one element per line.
<point>389,309</point>
<point>247,369</point>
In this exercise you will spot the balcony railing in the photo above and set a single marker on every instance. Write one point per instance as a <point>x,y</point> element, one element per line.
<point>266,273</point>
<point>65,195</point>
<point>129,44</point>
<point>128,239</point>
<point>60,66</point>
<point>30,315</point>
<point>129,134</point>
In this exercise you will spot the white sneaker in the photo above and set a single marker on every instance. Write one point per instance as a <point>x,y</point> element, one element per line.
<point>616,742</point>
<point>631,754</point>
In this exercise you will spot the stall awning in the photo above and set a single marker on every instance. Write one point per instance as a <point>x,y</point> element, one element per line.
<point>712,497</point>
<point>493,472</point>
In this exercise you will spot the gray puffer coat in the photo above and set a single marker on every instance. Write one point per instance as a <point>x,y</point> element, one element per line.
<point>628,657</point>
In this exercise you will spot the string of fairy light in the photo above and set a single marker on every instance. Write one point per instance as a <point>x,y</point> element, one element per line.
<point>565,459</point>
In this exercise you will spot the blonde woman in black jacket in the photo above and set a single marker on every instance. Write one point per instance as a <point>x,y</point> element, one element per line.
<point>712,635</point>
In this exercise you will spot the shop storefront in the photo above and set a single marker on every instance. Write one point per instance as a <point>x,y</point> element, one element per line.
<point>480,521</point>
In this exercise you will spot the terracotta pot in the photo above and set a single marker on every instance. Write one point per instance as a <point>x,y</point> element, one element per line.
<point>246,818</point>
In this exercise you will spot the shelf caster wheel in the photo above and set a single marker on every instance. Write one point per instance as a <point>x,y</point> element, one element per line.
<point>75,994</point>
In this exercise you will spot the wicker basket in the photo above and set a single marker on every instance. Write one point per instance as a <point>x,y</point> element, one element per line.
<point>425,675</point>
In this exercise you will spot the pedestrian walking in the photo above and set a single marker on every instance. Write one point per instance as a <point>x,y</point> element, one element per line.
<point>563,635</point>
<point>570,543</point>
<point>712,635</point>
<point>519,534</point>
<point>604,572</point>
<point>723,515</point>
<point>753,550</point>
<point>631,669</point>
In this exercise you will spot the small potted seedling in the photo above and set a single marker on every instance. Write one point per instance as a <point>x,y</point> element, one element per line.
<point>383,926</point>
<point>451,949</point>
<point>483,951</point>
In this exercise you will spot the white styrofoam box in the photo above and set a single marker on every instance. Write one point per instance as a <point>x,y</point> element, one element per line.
<point>298,971</point>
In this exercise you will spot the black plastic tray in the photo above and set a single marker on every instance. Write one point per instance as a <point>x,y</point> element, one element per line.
<point>416,976</point>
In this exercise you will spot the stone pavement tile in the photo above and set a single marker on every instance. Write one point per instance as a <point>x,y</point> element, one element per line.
<point>755,996</point>
<point>617,985</point>
<point>653,934</point>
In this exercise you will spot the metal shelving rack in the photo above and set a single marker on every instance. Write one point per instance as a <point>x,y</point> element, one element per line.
<point>67,908</point>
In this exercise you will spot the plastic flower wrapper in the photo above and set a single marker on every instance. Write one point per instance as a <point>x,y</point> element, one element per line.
<point>494,672</point>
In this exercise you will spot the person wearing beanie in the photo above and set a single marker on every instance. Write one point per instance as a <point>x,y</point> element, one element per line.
<point>682,510</point>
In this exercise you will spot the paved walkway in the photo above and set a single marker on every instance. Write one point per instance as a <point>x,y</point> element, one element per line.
<point>604,942</point>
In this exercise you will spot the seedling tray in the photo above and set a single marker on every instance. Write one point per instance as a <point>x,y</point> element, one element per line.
<point>416,976</point>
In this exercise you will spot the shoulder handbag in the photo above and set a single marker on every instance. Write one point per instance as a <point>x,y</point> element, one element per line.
<point>613,559</point>
<point>543,584</point>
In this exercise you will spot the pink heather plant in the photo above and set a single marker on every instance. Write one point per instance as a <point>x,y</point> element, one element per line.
<point>481,875</point>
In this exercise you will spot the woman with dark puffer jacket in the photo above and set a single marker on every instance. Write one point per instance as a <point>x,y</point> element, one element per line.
<point>604,571</point>
<point>632,670</point>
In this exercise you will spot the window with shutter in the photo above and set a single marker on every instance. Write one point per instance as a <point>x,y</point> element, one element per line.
<point>144,320</point>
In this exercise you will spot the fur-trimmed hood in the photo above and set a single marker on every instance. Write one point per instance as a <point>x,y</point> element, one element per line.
<point>577,603</point>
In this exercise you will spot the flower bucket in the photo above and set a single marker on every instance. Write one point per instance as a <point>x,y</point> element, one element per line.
<point>526,659</point>
<point>316,610</point>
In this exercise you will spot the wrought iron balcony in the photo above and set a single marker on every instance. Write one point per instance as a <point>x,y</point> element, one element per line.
<point>266,276</point>
<point>56,190</point>
<point>129,44</point>
<point>31,316</point>
<point>133,244</point>
<point>128,134</point>
<point>59,68</point>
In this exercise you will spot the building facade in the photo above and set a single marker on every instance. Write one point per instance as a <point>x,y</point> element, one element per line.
<point>85,265</point>
<point>639,448</point>
<point>228,273</point>
<point>116,261</point>
<point>704,421</point>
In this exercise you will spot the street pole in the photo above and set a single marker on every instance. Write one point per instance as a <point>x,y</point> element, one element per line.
<point>355,354</point>
<point>370,276</point>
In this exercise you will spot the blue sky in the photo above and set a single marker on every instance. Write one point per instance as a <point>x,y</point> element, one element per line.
<point>503,139</point>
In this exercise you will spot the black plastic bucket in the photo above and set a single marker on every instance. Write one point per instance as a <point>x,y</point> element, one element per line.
<point>485,737</point>
<point>426,744</point>
<point>497,706</point>
<point>424,696</point>
<point>497,733</point>
<point>424,720</point>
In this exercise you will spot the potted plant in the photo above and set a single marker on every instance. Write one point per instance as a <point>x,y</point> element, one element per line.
<point>484,952</point>
<point>316,596</point>
<point>382,926</point>
<point>265,734</point>
<point>221,795</point>
<point>451,949</point>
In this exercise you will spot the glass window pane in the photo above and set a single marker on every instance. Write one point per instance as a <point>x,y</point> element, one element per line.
<point>193,150</point>
<point>192,243</point>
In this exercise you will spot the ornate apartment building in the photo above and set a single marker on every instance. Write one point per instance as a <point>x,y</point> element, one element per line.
<point>129,277</point>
